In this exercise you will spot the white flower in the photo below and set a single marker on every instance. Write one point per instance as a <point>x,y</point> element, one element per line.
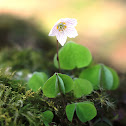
<point>63,28</point>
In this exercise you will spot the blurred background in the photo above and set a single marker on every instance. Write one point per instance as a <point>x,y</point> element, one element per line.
<point>26,47</point>
<point>101,26</point>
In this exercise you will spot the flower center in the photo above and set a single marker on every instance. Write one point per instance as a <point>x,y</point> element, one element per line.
<point>61,26</point>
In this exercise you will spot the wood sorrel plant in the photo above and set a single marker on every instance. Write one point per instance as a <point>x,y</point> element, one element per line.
<point>77,100</point>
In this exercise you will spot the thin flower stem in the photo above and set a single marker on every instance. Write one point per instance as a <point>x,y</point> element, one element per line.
<point>58,56</point>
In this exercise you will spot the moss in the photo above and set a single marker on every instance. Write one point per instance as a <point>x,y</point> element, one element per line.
<point>26,60</point>
<point>18,106</point>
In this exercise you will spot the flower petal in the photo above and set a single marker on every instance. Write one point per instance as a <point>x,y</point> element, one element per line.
<point>61,37</point>
<point>70,21</point>
<point>53,31</point>
<point>71,32</point>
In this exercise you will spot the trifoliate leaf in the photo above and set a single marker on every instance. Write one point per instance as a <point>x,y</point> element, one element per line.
<point>82,87</point>
<point>37,80</point>
<point>101,75</point>
<point>58,83</point>
<point>47,117</point>
<point>92,74</point>
<point>107,78</point>
<point>70,109</point>
<point>68,82</point>
<point>51,88</point>
<point>115,79</point>
<point>73,55</point>
<point>61,85</point>
<point>85,111</point>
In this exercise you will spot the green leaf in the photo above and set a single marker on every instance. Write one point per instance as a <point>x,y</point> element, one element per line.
<point>101,75</point>
<point>47,117</point>
<point>82,87</point>
<point>107,78</point>
<point>37,80</point>
<point>68,82</point>
<point>61,84</point>
<point>73,55</point>
<point>70,109</point>
<point>51,88</point>
<point>115,79</point>
<point>93,75</point>
<point>85,111</point>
